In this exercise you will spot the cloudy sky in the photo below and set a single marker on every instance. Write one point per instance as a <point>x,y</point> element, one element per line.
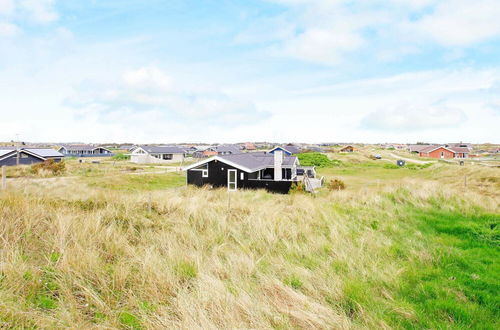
<point>228,71</point>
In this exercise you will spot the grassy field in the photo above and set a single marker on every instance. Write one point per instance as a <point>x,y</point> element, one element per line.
<point>117,245</point>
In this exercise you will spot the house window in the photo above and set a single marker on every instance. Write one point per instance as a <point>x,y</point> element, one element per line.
<point>242,176</point>
<point>253,176</point>
<point>204,173</point>
<point>167,156</point>
<point>24,156</point>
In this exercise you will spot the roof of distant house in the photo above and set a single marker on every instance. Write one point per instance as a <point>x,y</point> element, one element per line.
<point>163,149</point>
<point>45,152</point>
<point>42,153</point>
<point>418,147</point>
<point>81,147</point>
<point>4,152</point>
<point>290,148</point>
<point>431,148</point>
<point>228,148</point>
<point>460,149</point>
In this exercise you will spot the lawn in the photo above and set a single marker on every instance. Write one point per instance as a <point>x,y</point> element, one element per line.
<point>134,182</point>
<point>117,247</point>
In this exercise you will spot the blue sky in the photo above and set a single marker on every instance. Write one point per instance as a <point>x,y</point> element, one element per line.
<point>229,71</point>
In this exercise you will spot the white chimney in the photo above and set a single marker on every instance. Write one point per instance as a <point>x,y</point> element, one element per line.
<point>278,161</point>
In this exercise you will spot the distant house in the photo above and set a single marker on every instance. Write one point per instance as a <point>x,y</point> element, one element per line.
<point>221,150</point>
<point>190,150</point>
<point>126,146</point>
<point>288,150</point>
<point>416,148</point>
<point>84,150</point>
<point>459,145</point>
<point>249,146</point>
<point>157,155</point>
<point>347,149</point>
<point>254,170</point>
<point>200,150</point>
<point>443,152</point>
<point>28,156</point>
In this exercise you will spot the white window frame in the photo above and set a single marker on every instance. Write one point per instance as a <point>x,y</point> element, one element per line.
<point>235,180</point>
<point>204,173</point>
<point>242,176</point>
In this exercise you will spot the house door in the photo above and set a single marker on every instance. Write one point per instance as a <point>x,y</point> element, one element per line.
<point>442,154</point>
<point>231,180</point>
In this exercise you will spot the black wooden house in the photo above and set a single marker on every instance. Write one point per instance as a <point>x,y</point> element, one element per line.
<point>27,156</point>
<point>255,170</point>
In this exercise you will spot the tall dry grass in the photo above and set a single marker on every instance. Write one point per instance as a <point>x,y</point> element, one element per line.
<point>79,257</point>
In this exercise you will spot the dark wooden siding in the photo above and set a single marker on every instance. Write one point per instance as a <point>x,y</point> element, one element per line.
<point>24,159</point>
<point>217,177</point>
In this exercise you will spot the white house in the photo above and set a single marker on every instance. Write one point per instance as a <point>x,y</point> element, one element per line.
<point>157,155</point>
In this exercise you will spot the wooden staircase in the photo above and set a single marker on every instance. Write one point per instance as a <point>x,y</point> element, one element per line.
<point>311,184</point>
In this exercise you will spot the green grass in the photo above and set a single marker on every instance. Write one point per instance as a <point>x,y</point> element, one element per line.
<point>460,288</point>
<point>130,321</point>
<point>186,270</point>
<point>314,159</point>
<point>139,182</point>
<point>421,252</point>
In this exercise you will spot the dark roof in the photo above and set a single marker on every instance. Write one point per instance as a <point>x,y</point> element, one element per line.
<point>228,148</point>
<point>257,160</point>
<point>249,162</point>
<point>4,152</point>
<point>459,144</point>
<point>45,152</point>
<point>163,149</point>
<point>290,149</point>
<point>417,147</point>
<point>429,148</point>
<point>79,147</point>
<point>40,152</point>
<point>460,149</point>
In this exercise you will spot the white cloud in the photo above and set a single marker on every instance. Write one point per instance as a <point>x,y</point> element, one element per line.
<point>461,22</point>
<point>15,12</point>
<point>41,11</point>
<point>148,77</point>
<point>323,45</point>
<point>329,31</point>
<point>6,7</point>
<point>8,29</point>
<point>149,90</point>
<point>415,118</point>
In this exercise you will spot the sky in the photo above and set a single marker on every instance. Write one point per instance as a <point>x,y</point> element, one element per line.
<point>151,71</point>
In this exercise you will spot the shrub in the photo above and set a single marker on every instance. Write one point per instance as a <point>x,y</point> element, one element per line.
<point>297,187</point>
<point>314,159</point>
<point>391,166</point>
<point>121,156</point>
<point>55,168</point>
<point>336,184</point>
